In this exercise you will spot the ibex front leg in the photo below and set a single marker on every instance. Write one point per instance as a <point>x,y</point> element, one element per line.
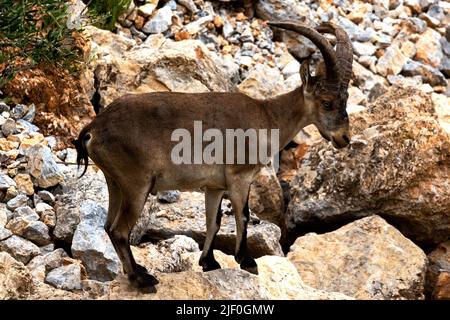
<point>238,187</point>
<point>213,200</point>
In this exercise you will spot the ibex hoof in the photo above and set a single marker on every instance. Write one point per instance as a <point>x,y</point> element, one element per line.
<point>143,280</point>
<point>209,264</point>
<point>249,264</point>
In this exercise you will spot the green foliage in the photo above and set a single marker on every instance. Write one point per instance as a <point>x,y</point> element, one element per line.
<point>107,12</point>
<point>35,31</point>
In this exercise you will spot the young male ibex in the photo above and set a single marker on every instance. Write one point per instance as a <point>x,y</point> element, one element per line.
<point>130,141</point>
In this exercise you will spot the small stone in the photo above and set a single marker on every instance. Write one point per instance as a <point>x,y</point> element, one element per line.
<point>4,212</point>
<point>24,183</point>
<point>139,22</point>
<point>291,68</point>
<point>160,22</point>
<point>218,21</point>
<point>391,63</point>
<point>6,145</point>
<point>182,35</point>
<point>6,182</point>
<point>429,74</point>
<point>19,248</point>
<point>35,231</point>
<point>25,125</point>
<point>247,36</point>
<point>4,107</point>
<point>4,233</point>
<point>135,32</point>
<point>19,111</point>
<point>65,277</point>
<point>189,4</point>
<point>408,48</point>
<point>169,196</point>
<point>47,248</point>
<point>228,29</point>
<point>47,214</point>
<point>31,113</point>
<point>47,196</point>
<point>9,127</point>
<point>364,49</point>
<point>11,193</point>
<point>146,10</point>
<point>19,201</point>
<point>429,50</point>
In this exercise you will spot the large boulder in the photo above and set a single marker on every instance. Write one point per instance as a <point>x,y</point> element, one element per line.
<point>366,259</point>
<point>187,217</point>
<point>121,66</point>
<point>396,166</point>
<point>277,279</point>
<point>92,245</point>
<point>72,192</point>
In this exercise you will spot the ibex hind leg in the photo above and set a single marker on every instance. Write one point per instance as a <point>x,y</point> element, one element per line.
<point>121,219</point>
<point>213,200</point>
<point>239,186</point>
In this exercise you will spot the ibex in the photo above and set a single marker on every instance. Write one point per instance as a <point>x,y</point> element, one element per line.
<point>130,141</point>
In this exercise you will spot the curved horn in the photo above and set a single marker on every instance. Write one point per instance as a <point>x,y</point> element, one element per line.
<point>344,50</point>
<point>329,56</point>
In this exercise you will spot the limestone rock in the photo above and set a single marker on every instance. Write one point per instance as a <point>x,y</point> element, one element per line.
<point>169,196</point>
<point>263,82</point>
<point>277,279</point>
<point>153,66</point>
<point>17,202</point>
<point>19,248</point>
<point>266,198</point>
<point>24,183</point>
<point>167,255</point>
<point>391,63</point>
<point>429,50</point>
<point>366,259</point>
<point>74,191</point>
<point>15,279</point>
<point>92,245</point>
<point>65,277</point>
<point>35,231</point>
<point>396,166</point>
<point>187,217</point>
<point>43,167</point>
<point>428,74</point>
<point>6,182</point>
<point>160,22</point>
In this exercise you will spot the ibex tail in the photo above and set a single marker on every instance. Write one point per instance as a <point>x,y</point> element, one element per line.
<point>82,153</point>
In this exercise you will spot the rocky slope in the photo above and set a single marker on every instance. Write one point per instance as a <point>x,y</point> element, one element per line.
<point>384,201</point>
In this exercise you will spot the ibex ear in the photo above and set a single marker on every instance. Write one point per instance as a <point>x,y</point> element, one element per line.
<point>304,73</point>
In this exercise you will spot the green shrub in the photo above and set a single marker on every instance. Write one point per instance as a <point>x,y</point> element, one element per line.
<point>34,32</point>
<point>107,12</point>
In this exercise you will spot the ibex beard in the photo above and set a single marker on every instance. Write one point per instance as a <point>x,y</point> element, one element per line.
<point>131,142</point>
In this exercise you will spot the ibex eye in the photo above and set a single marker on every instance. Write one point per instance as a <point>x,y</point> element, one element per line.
<point>327,105</point>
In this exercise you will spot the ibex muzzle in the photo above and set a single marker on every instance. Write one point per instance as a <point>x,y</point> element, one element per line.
<point>130,141</point>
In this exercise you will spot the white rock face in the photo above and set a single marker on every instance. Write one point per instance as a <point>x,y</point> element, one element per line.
<point>366,259</point>
<point>92,245</point>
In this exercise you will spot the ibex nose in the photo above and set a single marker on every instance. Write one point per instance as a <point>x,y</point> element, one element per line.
<point>340,140</point>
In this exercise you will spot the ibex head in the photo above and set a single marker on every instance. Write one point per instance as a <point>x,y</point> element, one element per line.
<point>326,93</point>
